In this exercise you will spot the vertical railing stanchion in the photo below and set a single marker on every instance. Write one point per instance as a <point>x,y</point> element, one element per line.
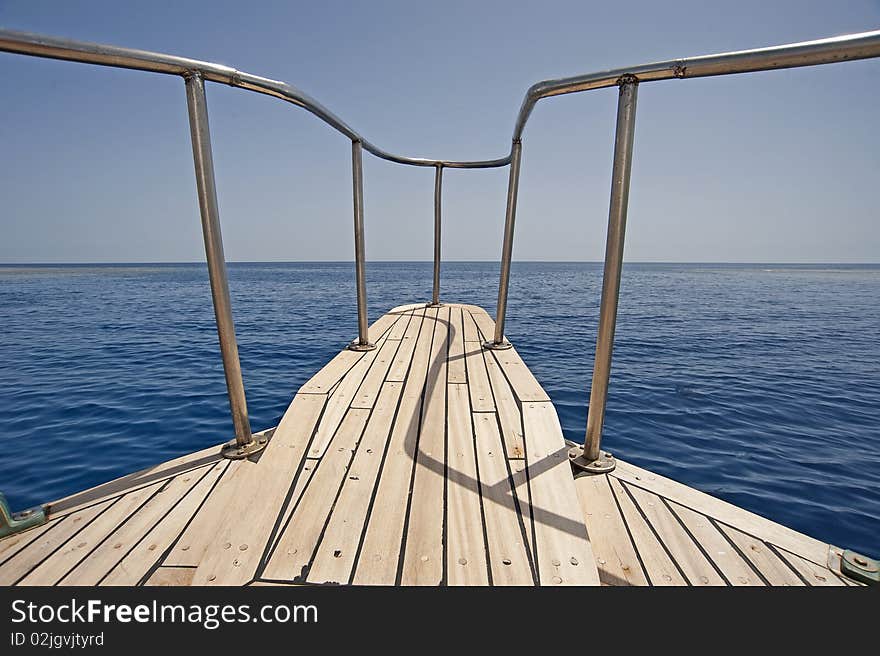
<point>591,458</point>
<point>498,342</point>
<point>197,108</point>
<point>438,190</point>
<point>362,343</point>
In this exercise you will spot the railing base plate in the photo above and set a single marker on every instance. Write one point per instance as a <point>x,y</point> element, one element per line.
<point>357,346</point>
<point>502,346</point>
<point>233,451</point>
<point>601,465</point>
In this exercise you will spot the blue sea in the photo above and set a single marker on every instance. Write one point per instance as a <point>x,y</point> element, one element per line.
<point>759,384</point>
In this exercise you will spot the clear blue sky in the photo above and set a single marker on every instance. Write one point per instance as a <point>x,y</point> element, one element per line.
<point>777,166</point>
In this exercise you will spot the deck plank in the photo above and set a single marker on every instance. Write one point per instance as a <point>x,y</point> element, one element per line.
<point>243,508</point>
<point>398,329</point>
<point>615,553</point>
<point>736,570</point>
<point>112,550</point>
<point>505,529</point>
<point>471,333</point>
<point>697,568</point>
<point>563,551</point>
<point>485,324</point>
<point>292,555</point>
<point>172,576</point>
<point>465,546</point>
<point>340,400</point>
<point>336,553</point>
<point>47,541</point>
<point>12,544</point>
<point>368,392</point>
<point>523,501</point>
<point>456,372</point>
<point>478,379</point>
<point>423,556</point>
<point>380,553</point>
<point>404,355</point>
<point>78,547</point>
<point>658,565</point>
<point>761,527</point>
<point>135,565</point>
<point>302,481</point>
<point>814,574</point>
<point>508,410</point>
<point>523,382</point>
<point>771,567</point>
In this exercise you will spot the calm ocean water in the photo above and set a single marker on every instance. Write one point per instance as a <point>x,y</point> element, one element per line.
<point>756,383</point>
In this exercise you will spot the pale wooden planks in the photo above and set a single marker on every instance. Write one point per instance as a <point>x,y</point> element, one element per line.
<point>57,533</point>
<point>456,372</point>
<point>78,547</point>
<point>293,552</point>
<point>12,544</point>
<point>471,333</point>
<point>726,558</point>
<point>397,331</point>
<point>380,553</point>
<point>478,379</point>
<point>112,550</point>
<point>302,481</point>
<point>660,568</point>
<point>404,355</point>
<point>696,567</point>
<point>762,557</point>
<point>137,562</point>
<point>484,322</point>
<point>465,546</point>
<point>368,391</point>
<point>769,531</point>
<point>172,576</point>
<point>382,325</point>
<point>563,552</point>
<point>243,509</point>
<point>615,554</point>
<point>340,400</point>
<point>812,573</point>
<point>508,554</point>
<point>523,382</point>
<point>508,410</point>
<point>423,557</point>
<point>335,556</point>
<point>523,500</point>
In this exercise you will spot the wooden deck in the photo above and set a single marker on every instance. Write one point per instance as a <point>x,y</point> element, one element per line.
<point>428,461</point>
<point>650,530</point>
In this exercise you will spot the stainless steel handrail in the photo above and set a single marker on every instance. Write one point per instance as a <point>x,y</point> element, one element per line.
<point>848,47</point>
<point>38,45</point>
<point>808,53</point>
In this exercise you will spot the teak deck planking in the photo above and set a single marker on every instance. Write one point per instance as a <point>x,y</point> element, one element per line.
<point>428,461</point>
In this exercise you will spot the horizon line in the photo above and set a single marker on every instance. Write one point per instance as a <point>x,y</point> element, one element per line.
<point>525,261</point>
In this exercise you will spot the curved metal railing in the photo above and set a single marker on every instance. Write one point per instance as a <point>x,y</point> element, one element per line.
<point>195,73</point>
